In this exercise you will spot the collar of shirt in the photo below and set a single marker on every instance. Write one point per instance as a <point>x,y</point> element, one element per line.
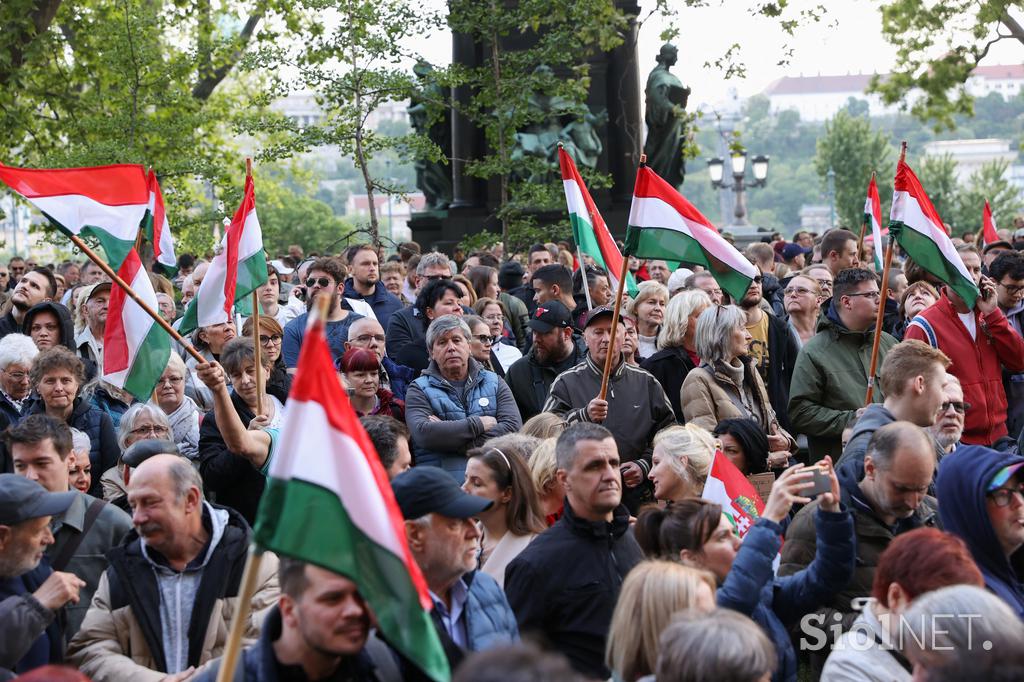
<point>453,618</point>
<point>20,404</point>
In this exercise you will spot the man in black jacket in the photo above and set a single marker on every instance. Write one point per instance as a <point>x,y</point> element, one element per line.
<point>564,585</point>
<point>555,349</point>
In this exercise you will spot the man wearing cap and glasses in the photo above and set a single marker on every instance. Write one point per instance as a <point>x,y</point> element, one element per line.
<point>981,500</point>
<point>636,407</point>
<point>470,610</point>
<point>89,341</point>
<point>31,593</point>
<point>554,350</point>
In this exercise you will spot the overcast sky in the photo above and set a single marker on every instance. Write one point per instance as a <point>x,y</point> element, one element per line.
<point>847,41</point>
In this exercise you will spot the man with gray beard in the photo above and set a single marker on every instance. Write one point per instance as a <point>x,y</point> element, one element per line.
<point>949,426</point>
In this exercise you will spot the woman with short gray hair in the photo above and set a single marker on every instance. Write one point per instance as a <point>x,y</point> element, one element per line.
<point>456,404</point>
<point>721,645</point>
<point>727,385</point>
<point>17,352</point>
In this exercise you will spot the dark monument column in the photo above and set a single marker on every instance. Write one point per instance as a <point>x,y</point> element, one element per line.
<point>625,125</point>
<point>465,136</point>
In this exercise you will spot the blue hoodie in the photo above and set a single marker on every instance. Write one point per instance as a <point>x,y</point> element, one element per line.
<point>964,477</point>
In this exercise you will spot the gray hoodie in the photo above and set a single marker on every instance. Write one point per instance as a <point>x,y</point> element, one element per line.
<point>875,416</point>
<point>178,594</point>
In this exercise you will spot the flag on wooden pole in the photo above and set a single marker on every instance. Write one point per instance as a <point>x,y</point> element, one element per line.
<point>664,225</point>
<point>106,202</point>
<point>135,348</point>
<point>328,502</point>
<point>235,272</point>
<point>156,227</point>
<point>873,219</point>
<point>988,227</point>
<point>917,227</point>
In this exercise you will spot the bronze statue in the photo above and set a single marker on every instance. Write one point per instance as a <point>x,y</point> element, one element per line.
<point>429,115</point>
<point>665,118</point>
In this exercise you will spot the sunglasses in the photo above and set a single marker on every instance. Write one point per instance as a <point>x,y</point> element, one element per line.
<point>960,408</point>
<point>485,339</point>
<point>322,281</point>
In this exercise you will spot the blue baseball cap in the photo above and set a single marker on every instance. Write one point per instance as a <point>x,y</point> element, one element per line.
<point>23,500</point>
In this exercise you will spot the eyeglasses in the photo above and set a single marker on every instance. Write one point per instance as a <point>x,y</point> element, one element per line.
<point>757,279</point>
<point>16,376</point>
<point>876,295</point>
<point>435,278</point>
<point>366,338</point>
<point>1001,496</point>
<point>485,339</point>
<point>959,407</point>
<point>154,429</point>
<point>796,291</point>
<point>494,317</point>
<point>824,283</point>
<point>1012,288</point>
<point>172,381</point>
<point>267,340</point>
<point>322,281</point>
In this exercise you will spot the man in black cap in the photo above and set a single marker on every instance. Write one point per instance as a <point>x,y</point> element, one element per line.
<point>555,349</point>
<point>470,610</point>
<point>636,407</point>
<point>31,593</point>
<point>795,256</point>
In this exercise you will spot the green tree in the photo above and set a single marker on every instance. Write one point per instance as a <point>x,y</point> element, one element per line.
<point>290,217</point>
<point>989,183</point>
<point>938,44</point>
<point>853,150</point>
<point>937,174</point>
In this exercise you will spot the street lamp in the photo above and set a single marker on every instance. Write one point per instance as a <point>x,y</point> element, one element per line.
<point>831,176</point>
<point>739,184</point>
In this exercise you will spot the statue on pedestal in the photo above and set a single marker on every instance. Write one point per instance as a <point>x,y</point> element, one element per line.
<point>430,115</point>
<point>665,118</point>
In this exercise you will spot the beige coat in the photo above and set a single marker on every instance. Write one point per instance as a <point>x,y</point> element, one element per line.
<point>110,646</point>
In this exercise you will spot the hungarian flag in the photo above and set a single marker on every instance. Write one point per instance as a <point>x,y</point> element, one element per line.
<point>988,227</point>
<point>873,219</point>
<point>664,225</point>
<point>328,502</point>
<point>918,228</point>
<point>106,202</point>
<point>589,230</point>
<point>727,486</point>
<point>156,228</point>
<point>135,348</point>
<point>238,269</point>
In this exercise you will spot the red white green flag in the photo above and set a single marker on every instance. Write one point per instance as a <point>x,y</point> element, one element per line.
<point>106,202</point>
<point>917,227</point>
<point>156,227</point>
<point>988,227</point>
<point>135,348</point>
<point>328,502</point>
<point>727,486</point>
<point>873,219</point>
<point>589,230</point>
<point>238,269</point>
<point>664,225</point>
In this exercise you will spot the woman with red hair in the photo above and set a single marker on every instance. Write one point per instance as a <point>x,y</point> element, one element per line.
<point>913,564</point>
<point>360,371</point>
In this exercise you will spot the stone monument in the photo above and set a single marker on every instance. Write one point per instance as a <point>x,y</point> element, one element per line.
<point>666,123</point>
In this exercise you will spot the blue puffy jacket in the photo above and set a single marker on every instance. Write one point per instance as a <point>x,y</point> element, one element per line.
<point>489,619</point>
<point>961,487</point>
<point>444,443</point>
<point>776,603</point>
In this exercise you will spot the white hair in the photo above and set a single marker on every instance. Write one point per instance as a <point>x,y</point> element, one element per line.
<point>80,442</point>
<point>17,349</point>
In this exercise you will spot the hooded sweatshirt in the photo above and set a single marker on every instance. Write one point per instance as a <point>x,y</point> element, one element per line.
<point>964,478</point>
<point>67,327</point>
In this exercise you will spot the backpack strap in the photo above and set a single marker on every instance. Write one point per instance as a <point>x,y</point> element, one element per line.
<point>60,562</point>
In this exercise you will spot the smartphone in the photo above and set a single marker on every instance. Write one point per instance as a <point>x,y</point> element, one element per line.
<point>821,480</point>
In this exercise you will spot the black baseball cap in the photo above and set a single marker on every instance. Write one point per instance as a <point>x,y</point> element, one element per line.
<point>550,315</point>
<point>1001,244</point>
<point>141,450</point>
<point>426,490</point>
<point>791,251</point>
<point>599,312</point>
<point>510,275</point>
<point>22,500</point>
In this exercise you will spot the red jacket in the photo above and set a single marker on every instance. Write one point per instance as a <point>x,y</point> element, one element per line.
<point>975,363</point>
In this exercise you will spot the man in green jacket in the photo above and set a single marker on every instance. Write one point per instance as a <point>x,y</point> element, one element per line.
<point>830,376</point>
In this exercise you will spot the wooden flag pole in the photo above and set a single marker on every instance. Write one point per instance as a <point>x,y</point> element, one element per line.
<point>114,277</point>
<point>884,294</point>
<point>608,361</point>
<point>863,233</point>
<point>583,277</point>
<point>233,647</point>
<point>256,349</point>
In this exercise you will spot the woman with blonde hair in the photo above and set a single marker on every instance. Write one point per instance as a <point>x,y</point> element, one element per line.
<point>543,425</point>
<point>550,492</point>
<point>652,594</point>
<point>648,309</point>
<point>677,350</point>
<point>680,462</point>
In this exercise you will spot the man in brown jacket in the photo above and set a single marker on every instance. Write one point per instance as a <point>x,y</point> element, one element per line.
<point>182,565</point>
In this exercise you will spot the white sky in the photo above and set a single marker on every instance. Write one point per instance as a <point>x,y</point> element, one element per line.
<point>848,40</point>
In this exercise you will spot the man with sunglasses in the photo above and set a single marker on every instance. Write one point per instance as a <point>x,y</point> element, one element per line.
<point>981,343</point>
<point>949,426</point>
<point>326,278</point>
<point>981,500</point>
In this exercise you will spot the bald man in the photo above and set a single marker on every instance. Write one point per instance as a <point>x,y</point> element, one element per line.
<point>183,562</point>
<point>369,334</point>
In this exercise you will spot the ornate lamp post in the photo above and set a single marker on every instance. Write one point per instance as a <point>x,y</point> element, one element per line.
<point>739,183</point>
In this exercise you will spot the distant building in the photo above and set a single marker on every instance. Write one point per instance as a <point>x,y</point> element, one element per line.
<point>815,217</point>
<point>970,155</point>
<point>818,98</point>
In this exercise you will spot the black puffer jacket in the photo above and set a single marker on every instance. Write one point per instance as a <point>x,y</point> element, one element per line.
<point>531,381</point>
<point>564,585</point>
<point>670,367</point>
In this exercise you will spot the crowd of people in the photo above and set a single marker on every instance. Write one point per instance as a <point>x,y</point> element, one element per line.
<point>562,535</point>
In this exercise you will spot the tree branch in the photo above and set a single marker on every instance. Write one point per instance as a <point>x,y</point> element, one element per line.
<point>206,85</point>
<point>1016,30</point>
<point>42,15</point>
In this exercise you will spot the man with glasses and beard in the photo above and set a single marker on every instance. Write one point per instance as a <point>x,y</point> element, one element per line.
<point>949,426</point>
<point>325,277</point>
